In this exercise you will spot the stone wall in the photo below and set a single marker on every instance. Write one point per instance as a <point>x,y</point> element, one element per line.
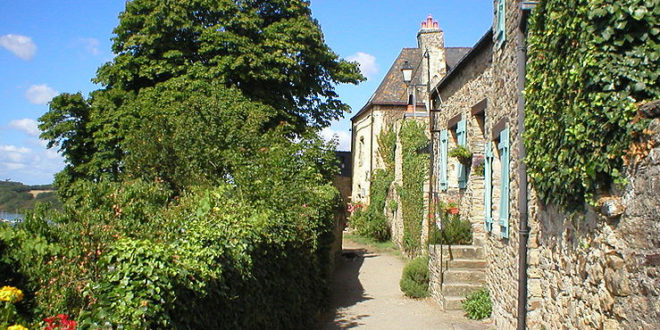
<point>590,271</point>
<point>585,270</point>
<point>466,88</point>
<point>502,253</point>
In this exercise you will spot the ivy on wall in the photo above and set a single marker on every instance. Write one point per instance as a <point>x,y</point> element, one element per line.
<point>414,171</point>
<point>372,222</point>
<point>589,63</point>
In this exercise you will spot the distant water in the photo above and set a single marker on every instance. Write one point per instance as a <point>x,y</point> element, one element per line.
<point>13,217</point>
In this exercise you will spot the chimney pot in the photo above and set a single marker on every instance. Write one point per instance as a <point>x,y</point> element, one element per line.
<point>424,25</point>
<point>435,25</point>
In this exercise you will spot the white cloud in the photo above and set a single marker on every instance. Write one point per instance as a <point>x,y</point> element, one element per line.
<point>26,125</point>
<point>29,165</point>
<point>40,94</point>
<point>91,45</point>
<point>367,62</point>
<point>343,138</point>
<point>13,155</point>
<point>14,149</point>
<point>21,46</point>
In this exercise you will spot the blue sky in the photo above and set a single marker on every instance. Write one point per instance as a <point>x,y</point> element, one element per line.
<point>53,46</point>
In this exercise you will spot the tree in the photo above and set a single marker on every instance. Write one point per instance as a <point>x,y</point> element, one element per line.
<point>194,74</point>
<point>273,51</point>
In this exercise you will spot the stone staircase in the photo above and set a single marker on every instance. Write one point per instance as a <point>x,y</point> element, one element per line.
<point>463,272</point>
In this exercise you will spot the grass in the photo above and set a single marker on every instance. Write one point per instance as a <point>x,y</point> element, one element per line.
<point>387,246</point>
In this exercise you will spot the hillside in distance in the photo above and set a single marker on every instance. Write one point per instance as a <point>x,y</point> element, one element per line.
<point>16,196</point>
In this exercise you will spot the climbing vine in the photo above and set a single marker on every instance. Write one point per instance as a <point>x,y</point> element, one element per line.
<point>372,222</point>
<point>414,171</point>
<point>589,63</point>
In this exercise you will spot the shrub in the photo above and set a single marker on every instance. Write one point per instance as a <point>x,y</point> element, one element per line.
<point>454,231</point>
<point>415,278</point>
<point>478,305</point>
<point>371,223</point>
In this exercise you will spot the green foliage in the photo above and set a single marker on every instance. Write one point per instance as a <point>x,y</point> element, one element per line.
<point>414,172</point>
<point>197,191</point>
<point>478,305</point>
<point>15,197</point>
<point>239,68</point>
<point>372,222</point>
<point>415,278</point>
<point>454,231</point>
<point>386,147</point>
<point>128,257</point>
<point>463,154</point>
<point>603,56</point>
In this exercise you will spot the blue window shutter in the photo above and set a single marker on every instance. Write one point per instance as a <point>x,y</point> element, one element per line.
<point>443,160</point>
<point>462,169</point>
<point>504,200</point>
<point>500,31</point>
<point>488,187</point>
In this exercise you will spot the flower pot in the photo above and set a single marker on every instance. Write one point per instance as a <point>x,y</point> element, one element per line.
<point>452,210</point>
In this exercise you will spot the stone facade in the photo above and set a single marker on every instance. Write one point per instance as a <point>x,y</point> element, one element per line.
<point>587,270</point>
<point>594,269</point>
<point>366,159</point>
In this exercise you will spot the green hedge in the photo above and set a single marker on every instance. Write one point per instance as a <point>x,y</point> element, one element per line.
<point>131,256</point>
<point>589,63</point>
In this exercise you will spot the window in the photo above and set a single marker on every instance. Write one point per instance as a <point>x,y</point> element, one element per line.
<point>461,141</point>
<point>504,183</point>
<point>488,187</point>
<point>500,31</point>
<point>442,170</point>
<point>361,151</point>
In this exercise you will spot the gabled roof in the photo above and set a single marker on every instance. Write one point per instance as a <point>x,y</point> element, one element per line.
<point>392,90</point>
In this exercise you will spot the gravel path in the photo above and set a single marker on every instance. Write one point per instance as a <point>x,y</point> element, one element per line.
<point>365,294</point>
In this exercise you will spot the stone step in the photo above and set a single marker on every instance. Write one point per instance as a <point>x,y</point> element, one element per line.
<point>468,276</point>
<point>452,303</point>
<point>459,289</point>
<point>465,264</point>
<point>464,252</point>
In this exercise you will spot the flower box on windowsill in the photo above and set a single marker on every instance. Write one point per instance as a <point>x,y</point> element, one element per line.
<point>452,210</point>
<point>462,154</point>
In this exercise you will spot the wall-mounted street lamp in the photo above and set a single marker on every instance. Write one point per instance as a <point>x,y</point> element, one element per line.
<point>407,71</point>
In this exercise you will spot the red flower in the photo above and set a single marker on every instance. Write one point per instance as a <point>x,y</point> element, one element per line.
<point>61,321</point>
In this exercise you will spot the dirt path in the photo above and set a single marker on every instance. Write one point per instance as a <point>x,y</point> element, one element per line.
<point>365,294</point>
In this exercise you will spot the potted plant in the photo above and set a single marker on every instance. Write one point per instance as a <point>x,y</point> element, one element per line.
<point>462,154</point>
<point>451,207</point>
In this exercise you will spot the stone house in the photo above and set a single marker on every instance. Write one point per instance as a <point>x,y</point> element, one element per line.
<point>394,99</point>
<point>543,269</point>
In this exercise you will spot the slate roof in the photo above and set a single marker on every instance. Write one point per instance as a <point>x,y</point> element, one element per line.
<point>392,90</point>
<point>453,55</point>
